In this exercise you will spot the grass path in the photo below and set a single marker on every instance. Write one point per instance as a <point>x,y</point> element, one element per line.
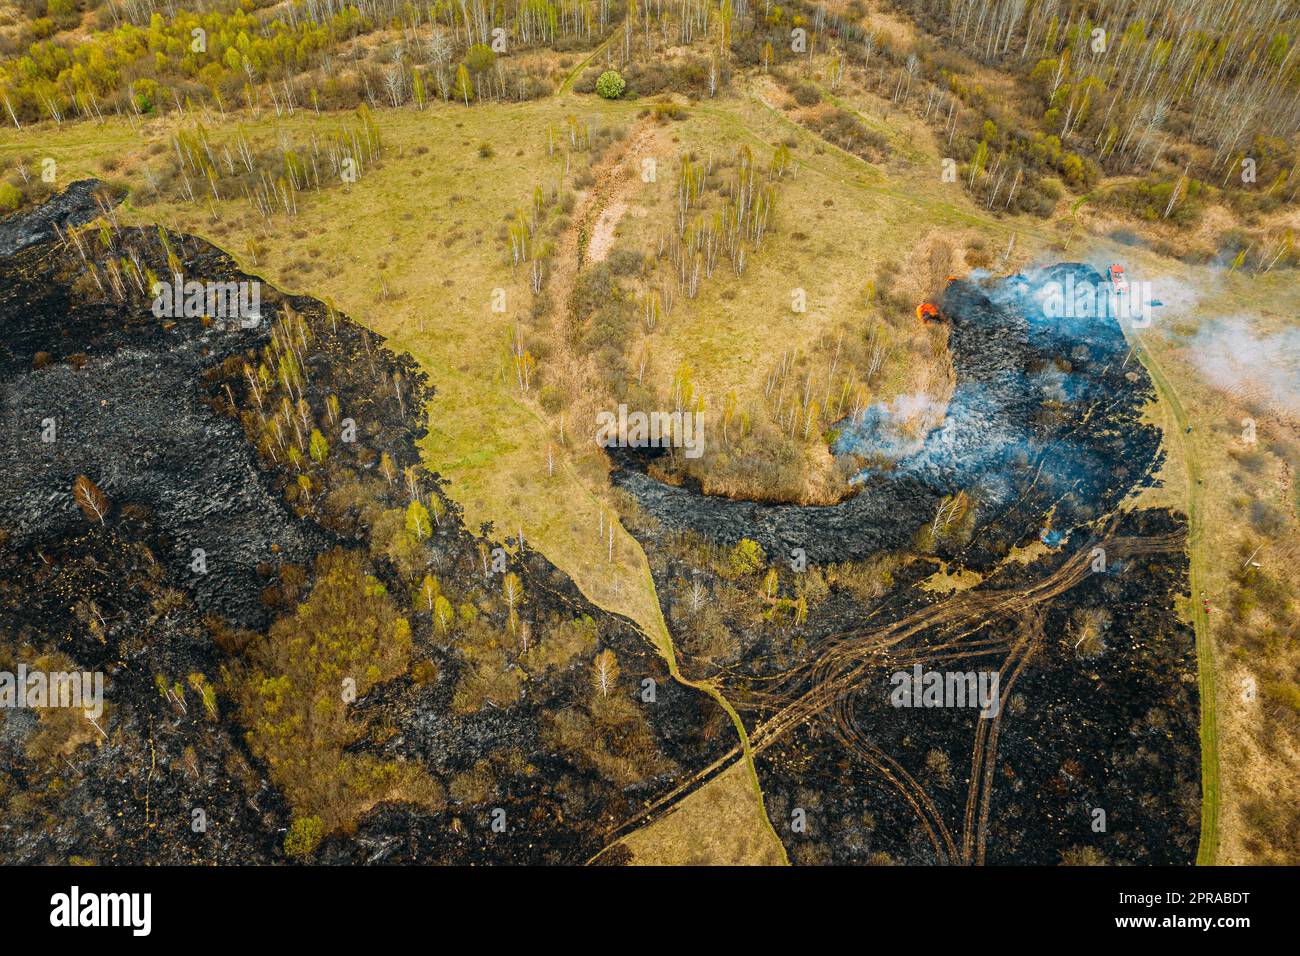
<point>1207,852</point>
<point>567,85</point>
<point>909,150</point>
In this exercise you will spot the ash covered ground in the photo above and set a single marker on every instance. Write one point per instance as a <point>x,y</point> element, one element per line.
<point>1046,413</point>
<point>481,730</point>
<point>1094,756</point>
<point>222,696</point>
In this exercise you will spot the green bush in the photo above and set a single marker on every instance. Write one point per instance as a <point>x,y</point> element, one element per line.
<point>480,58</point>
<point>10,197</point>
<point>610,85</point>
<point>746,557</point>
<point>303,837</point>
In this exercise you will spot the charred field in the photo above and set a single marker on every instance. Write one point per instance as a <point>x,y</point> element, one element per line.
<point>1112,730</point>
<point>306,655</point>
<point>806,615</point>
<point>1045,420</point>
<point>309,657</point>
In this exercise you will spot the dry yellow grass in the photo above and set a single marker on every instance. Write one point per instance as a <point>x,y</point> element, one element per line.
<point>710,827</point>
<point>1206,472</point>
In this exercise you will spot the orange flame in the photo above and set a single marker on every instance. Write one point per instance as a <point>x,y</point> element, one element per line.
<point>927,310</point>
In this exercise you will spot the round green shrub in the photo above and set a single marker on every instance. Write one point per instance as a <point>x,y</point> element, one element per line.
<point>610,85</point>
<point>303,837</point>
<point>10,197</point>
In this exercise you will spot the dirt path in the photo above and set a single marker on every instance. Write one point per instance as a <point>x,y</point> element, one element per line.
<point>616,185</point>
<point>602,232</point>
<point>587,241</point>
<point>591,236</point>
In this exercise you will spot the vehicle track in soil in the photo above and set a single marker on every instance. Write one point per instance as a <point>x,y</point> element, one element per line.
<point>850,660</point>
<point>985,750</point>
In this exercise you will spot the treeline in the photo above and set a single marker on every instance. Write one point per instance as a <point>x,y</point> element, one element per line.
<point>694,47</point>
<point>1120,88</point>
<point>233,56</point>
<point>1007,167</point>
<point>1128,81</point>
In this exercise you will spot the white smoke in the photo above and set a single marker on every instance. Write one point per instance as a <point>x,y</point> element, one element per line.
<point>1263,367</point>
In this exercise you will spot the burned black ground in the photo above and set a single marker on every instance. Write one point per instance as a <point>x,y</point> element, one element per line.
<point>1045,435</point>
<point>1046,419</point>
<point>161,415</point>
